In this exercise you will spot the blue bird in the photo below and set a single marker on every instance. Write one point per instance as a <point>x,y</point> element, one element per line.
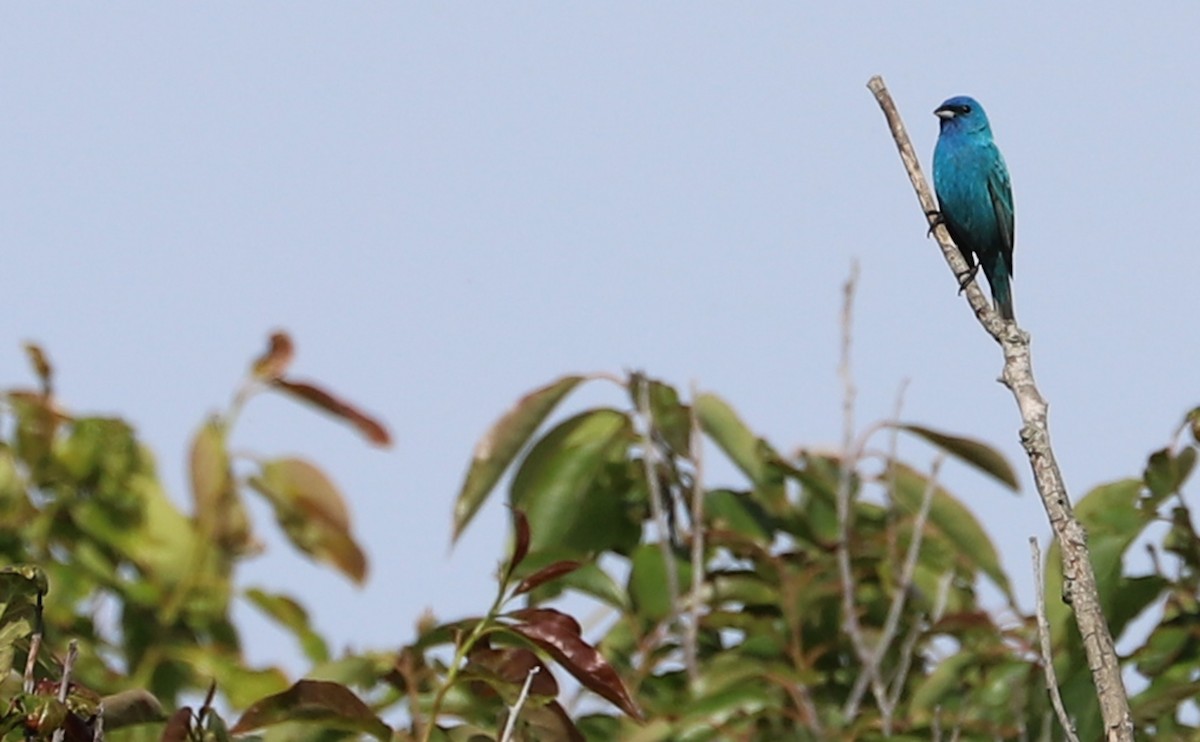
<point>975,195</point>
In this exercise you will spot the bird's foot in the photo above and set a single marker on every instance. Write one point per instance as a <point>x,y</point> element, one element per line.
<point>935,218</point>
<point>965,279</point>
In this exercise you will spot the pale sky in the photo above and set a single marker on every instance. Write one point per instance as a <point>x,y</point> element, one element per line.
<point>450,204</point>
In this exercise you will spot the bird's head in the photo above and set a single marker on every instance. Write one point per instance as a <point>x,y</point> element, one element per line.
<point>962,113</point>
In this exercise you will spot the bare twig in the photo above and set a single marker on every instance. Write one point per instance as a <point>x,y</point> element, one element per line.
<point>649,459</point>
<point>691,637</point>
<point>64,687</point>
<point>892,623</point>
<point>98,724</point>
<point>1079,579</point>
<point>35,645</point>
<point>510,726</point>
<point>845,480</point>
<point>851,451</point>
<point>1043,626</point>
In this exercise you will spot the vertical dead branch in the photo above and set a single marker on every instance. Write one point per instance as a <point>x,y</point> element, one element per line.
<point>691,637</point>
<point>1043,628</point>
<point>650,465</point>
<point>1079,588</point>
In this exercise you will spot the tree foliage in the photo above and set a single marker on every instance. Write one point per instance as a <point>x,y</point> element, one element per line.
<point>829,595</point>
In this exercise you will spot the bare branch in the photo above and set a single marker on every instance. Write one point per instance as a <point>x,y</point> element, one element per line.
<point>649,460</point>
<point>1043,626</point>
<point>64,686</point>
<point>891,624</point>
<point>851,452</point>
<point>510,726</point>
<point>691,637</point>
<point>1079,586</point>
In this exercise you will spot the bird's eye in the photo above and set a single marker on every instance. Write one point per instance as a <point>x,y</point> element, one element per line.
<point>964,109</point>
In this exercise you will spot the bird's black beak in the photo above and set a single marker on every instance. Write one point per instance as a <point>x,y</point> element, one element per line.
<point>944,113</point>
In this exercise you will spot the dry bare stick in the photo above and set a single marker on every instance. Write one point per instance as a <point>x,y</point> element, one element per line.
<point>64,686</point>
<point>1079,579</point>
<point>35,646</point>
<point>891,624</point>
<point>649,456</point>
<point>691,636</point>
<point>851,452</point>
<point>510,726</point>
<point>1043,626</point>
<point>909,648</point>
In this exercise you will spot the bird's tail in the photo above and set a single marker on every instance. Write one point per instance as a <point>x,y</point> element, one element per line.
<point>1002,294</point>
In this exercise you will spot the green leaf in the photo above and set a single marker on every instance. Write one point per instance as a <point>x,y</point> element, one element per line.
<point>754,456</point>
<point>970,451</point>
<point>220,512</point>
<point>566,489</point>
<point>501,444</point>
<point>292,616</point>
<point>721,423</point>
<point>649,591</point>
<point>949,518</point>
<point>1166,472</point>
<point>21,591</point>
<point>735,511</point>
<point>671,419</point>
<point>944,682</point>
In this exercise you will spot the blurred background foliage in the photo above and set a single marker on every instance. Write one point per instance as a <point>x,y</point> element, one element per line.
<point>833,595</point>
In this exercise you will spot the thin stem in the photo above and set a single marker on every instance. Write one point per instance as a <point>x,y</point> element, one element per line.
<point>510,726</point>
<point>460,653</point>
<point>649,459</point>
<point>691,639</point>
<point>64,686</point>
<point>1043,626</point>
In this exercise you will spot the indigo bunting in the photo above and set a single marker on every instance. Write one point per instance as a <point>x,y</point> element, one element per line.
<point>975,195</point>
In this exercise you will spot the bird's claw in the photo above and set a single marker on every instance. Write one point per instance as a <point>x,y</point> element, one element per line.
<point>935,218</point>
<point>965,279</point>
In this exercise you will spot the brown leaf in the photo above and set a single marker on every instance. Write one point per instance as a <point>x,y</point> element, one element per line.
<point>560,636</point>
<point>41,366</point>
<point>272,364</point>
<point>178,727</point>
<point>552,722</point>
<point>546,574</point>
<point>313,513</point>
<point>331,705</point>
<point>521,543</point>
<point>368,426</point>
<point>509,666</point>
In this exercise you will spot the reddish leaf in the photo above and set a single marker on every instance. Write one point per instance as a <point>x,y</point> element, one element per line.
<point>41,366</point>
<point>178,727</point>
<point>312,512</point>
<point>331,705</point>
<point>546,574</point>
<point>553,721</point>
<point>560,636</point>
<point>272,364</point>
<point>371,428</point>
<point>507,668</point>
<point>521,546</point>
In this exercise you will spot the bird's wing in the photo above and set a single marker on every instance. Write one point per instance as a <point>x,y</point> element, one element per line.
<point>1000,191</point>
